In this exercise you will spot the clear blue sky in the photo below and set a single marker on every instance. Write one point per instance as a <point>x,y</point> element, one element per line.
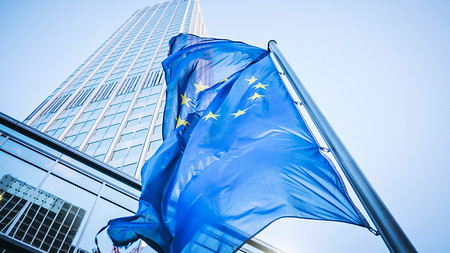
<point>379,70</point>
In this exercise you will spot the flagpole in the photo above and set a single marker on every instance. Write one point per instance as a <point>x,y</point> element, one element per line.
<point>391,232</point>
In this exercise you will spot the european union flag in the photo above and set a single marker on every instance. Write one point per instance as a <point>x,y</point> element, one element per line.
<point>237,155</point>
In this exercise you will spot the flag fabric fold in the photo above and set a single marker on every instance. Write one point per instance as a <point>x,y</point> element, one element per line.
<point>237,155</point>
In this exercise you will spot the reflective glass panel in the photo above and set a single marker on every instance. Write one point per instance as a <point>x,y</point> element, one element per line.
<point>126,137</point>
<point>118,196</point>
<point>103,212</point>
<point>130,169</point>
<point>33,142</point>
<point>81,180</point>
<point>140,134</point>
<point>18,180</point>
<point>1,139</point>
<point>73,198</point>
<point>27,154</point>
<point>119,154</point>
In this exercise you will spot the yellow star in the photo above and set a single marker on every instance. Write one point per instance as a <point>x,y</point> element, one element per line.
<point>185,100</point>
<point>211,115</point>
<point>226,79</point>
<point>239,113</point>
<point>260,85</point>
<point>200,87</point>
<point>251,80</point>
<point>256,95</point>
<point>181,122</point>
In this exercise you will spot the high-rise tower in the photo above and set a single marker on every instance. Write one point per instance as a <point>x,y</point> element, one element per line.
<point>111,107</point>
<point>55,198</point>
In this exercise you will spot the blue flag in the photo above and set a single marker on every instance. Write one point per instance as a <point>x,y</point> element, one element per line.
<point>237,155</point>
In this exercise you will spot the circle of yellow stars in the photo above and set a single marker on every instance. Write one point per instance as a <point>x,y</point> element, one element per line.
<point>200,87</point>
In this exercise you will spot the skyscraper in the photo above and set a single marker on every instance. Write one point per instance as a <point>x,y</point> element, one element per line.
<point>111,107</point>
<point>55,195</point>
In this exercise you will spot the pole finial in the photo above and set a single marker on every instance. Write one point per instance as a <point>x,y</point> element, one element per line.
<point>268,44</point>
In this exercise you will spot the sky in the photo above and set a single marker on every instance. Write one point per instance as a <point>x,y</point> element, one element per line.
<point>378,70</point>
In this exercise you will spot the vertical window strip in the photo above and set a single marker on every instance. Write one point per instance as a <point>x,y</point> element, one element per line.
<point>127,89</point>
<point>128,85</point>
<point>124,86</point>
<point>51,105</point>
<point>160,77</point>
<point>132,86</point>
<point>155,78</point>
<point>57,104</point>
<point>38,108</point>
<point>99,93</point>
<point>80,98</point>
<point>147,82</point>
<point>113,86</point>
<point>105,91</point>
<point>85,97</point>
<point>60,103</point>
<point>75,100</point>
<point>135,85</point>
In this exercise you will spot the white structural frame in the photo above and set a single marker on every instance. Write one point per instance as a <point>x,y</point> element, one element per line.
<point>89,100</point>
<point>83,85</point>
<point>133,101</point>
<point>75,75</point>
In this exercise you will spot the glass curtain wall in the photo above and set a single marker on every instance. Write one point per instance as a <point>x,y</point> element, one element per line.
<point>111,107</point>
<point>54,203</point>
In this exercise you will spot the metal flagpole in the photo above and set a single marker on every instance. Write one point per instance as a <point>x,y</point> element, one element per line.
<point>391,232</point>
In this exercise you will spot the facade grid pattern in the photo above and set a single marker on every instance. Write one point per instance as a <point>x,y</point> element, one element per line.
<point>52,202</point>
<point>106,121</point>
<point>111,107</point>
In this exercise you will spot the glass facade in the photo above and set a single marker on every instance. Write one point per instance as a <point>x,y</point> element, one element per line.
<point>54,198</point>
<point>74,163</point>
<point>111,107</point>
<point>48,222</point>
